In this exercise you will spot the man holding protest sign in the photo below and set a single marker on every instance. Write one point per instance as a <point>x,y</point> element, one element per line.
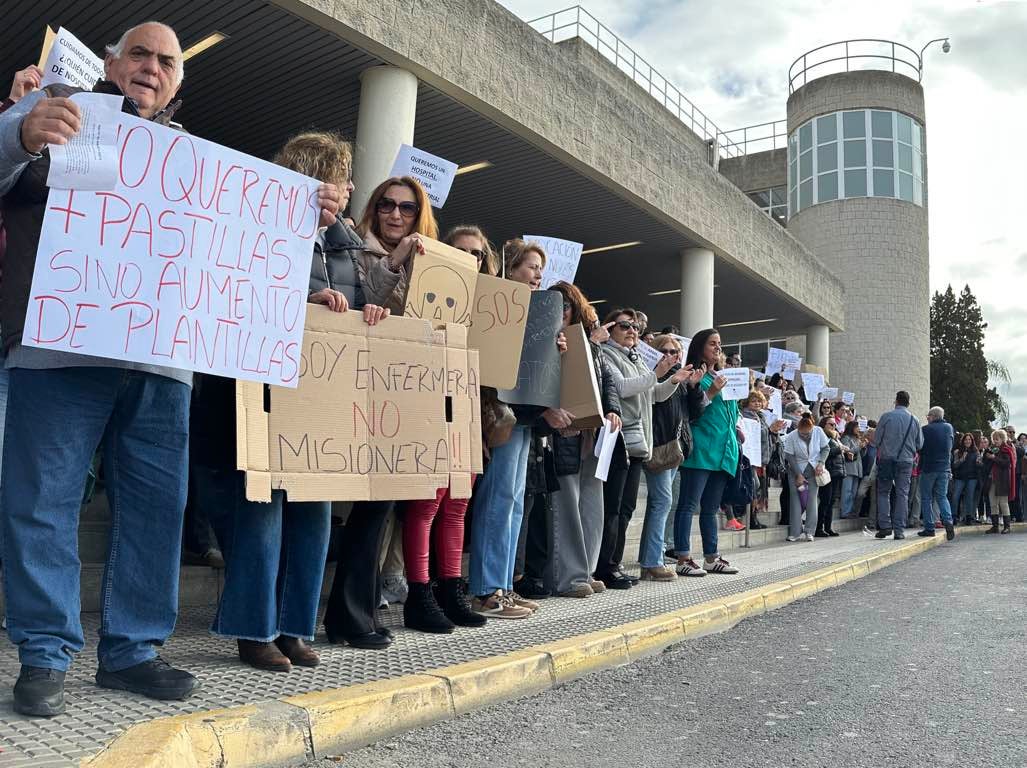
<point>63,404</point>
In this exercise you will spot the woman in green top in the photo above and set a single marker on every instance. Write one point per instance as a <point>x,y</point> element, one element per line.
<point>713,461</point>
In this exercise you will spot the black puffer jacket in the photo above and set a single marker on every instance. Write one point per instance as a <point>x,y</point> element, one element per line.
<point>567,450</point>
<point>835,463</point>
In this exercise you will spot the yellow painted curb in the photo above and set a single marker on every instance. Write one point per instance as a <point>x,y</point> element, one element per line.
<point>334,721</point>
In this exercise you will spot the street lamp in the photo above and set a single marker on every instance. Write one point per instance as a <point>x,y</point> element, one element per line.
<point>945,48</point>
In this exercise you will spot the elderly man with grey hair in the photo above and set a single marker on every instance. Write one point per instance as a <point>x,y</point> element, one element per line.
<point>935,472</point>
<point>62,406</point>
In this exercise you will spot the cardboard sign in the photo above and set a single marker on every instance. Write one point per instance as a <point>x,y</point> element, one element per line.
<point>442,283</point>
<point>369,417</point>
<point>579,391</point>
<point>498,319</point>
<point>562,257</point>
<point>737,387</point>
<point>69,62</point>
<point>198,258</point>
<point>538,375</point>
<point>752,448</point>
<point>849,398</point>
<point>812,386</point>
<point>435,174</point>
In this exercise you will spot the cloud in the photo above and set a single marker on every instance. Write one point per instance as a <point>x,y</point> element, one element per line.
<point>731,59</point>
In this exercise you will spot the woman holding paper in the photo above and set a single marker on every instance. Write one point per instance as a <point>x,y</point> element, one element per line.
<point>829,494</point>
<point>499,505</point>
<point>576,525</point>
<point>397,216</point>
<point>638,388</point>
<point>852,446</point>
<point>806,450</point>
<point>714,460</point>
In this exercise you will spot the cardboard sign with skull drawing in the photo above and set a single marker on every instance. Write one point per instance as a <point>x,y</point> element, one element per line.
<point>442,285</point>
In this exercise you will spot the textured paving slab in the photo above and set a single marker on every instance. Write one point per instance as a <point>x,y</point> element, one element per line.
<point>95,716</point>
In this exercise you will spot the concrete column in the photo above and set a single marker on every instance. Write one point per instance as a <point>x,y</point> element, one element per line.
<point>818,346</point>
<point>388,103</point>
<point>696,290</point>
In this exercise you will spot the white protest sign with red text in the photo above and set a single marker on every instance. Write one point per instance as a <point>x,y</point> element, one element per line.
<point>197,258</point>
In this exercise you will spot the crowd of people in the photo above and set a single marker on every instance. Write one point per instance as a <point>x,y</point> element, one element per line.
<point>539,522</point>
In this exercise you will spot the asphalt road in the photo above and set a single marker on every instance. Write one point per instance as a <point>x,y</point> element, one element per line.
<point>920,664</point>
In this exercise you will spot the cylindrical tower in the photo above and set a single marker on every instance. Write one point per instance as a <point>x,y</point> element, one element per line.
<point>857,195</point>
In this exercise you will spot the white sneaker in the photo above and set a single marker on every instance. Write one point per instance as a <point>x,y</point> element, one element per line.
<point>690,568</point>
<point>395,589</point>
<point>720,565</point>
<point>793,538</point>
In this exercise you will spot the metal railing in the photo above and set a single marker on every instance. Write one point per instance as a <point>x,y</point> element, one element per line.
<point>754,138</point>
<point>854,55</point>
<point>577,22</point>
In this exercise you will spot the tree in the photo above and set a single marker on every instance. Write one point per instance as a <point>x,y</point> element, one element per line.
<point>959,369</point>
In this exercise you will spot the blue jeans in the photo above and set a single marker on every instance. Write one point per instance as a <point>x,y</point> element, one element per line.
<point>498,509</point>
<point>701,491</point>
<point>55,420</point>
<point>274,558</point>
<point>659,487</point>
<point>849,487</point>
<point>934,489</point>
<point>967,488</point>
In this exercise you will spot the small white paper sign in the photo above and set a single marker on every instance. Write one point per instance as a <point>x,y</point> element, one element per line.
<point>849,398</point>
<point>812,385</point>
<point>737,387</point>
<point>435,173</point>
<point>649,355</point>
<point>685,344</point>
<point>90,158</point>
<point>71,63</point>
<point>775,403</point>
<point>829,393</point>
<point>606,442</point>
<point>863,424</point>
<point>752,447</point>
<point>562,257</point>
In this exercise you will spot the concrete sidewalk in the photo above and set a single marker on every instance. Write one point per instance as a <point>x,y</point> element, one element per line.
<point>96,716</point>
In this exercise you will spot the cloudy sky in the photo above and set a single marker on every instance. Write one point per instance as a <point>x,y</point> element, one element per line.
<point>731,59</point>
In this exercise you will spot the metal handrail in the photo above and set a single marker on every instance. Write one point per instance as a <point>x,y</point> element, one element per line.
<point>582,24</point>
<point>754,138</point>
<point>895,54</point>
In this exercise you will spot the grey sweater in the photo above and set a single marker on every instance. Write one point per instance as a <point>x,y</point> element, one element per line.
<point>638,390</point>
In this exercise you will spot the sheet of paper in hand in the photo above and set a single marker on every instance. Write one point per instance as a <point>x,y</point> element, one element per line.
<point>562,257</point>
<point>752,448</point>
<point>737,387</point>
<point>812,386</point>
<point>849,398</point>
<point>498,319</point>
<point>70,62</point>
<point>434,173</point>
<point>90,158</point>
<point>538,375</point>
<point>197,258</point>
<point>829,393</point>
<point>579,392</point>
<point>650,356</point>
<point>369,419</point>
<point>442,284</point>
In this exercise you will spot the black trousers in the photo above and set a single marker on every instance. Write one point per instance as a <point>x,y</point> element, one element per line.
<point>619,496</point>
<point>785,497</point>
<point>533,543</point>
<point>357,583</point>
<point>827,495</point>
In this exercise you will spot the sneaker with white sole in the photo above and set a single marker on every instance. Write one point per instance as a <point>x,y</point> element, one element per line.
<point>394,589</point>
<point>791,538</point>
<point>804,537</point>
<point>689,568</point>
<point>521,602</point>
<point>720,565</point>
<point>498,606</point>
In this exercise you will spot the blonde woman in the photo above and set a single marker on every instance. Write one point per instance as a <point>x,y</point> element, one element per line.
<point>1000,460</point>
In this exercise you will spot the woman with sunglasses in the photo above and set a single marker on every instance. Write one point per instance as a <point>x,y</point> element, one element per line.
<point>470,239</point>
<point>499,504</point>
<point>576,523</point>
<point>713,461</point>
<point>397,216</point>
<point>670,425</point>
<point>638,388</point>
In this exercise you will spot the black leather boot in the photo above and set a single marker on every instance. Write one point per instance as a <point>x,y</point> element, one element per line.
<point>457,605</point>
<point>420,611</point>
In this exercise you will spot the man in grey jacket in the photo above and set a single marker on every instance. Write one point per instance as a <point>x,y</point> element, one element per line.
<point>898,437</point>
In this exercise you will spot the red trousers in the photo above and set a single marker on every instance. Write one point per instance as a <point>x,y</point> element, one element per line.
<point>449,536</point>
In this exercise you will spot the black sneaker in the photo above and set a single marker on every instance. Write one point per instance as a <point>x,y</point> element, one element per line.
<point>883,533</point>
<point>531,589</point>
<point>950,531</point>
<point>925,533</point>
<point>39,692</point>
<point>155,679</point>
<point>899,534</point>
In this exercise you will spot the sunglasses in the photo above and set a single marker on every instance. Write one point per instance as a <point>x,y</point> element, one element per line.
<point>567,306</point>
<point>671,351</point>
<point>407,210</point>
<point>475,252</point>
<point>626,325</point>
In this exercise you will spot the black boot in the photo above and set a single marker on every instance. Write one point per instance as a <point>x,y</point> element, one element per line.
<point>994,525</point>
<point>420,611</point>
<point>1005,524</point>
<point>457,605</point>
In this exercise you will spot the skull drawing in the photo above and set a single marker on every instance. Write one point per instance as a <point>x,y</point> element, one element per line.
<point>440,295</point>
